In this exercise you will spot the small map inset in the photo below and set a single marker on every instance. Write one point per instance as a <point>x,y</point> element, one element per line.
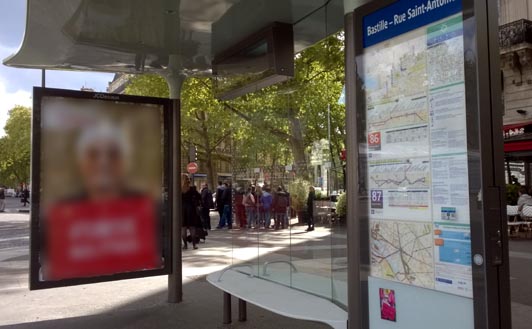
<point>397,72</point>
<point>403,252</point>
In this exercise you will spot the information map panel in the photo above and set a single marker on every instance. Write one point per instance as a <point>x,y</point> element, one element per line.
<point>412,74</point>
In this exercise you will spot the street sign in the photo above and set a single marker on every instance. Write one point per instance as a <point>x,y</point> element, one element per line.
<point>192,168</point>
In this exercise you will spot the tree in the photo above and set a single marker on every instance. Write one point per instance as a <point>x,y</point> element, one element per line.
<point>274,126</point>
<point>15,147</point>
<point>204,123</point>
<point>296,112</point>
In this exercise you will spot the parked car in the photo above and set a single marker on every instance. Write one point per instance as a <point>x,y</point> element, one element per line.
<point>11,193</point>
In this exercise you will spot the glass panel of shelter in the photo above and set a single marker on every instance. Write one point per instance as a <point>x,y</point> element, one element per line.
<point>271,235</point>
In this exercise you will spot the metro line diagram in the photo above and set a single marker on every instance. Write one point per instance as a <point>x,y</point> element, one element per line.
<point>410,173</point>
<point>398,114</point>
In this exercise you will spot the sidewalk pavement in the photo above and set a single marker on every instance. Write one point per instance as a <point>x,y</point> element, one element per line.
<point>141,303</point>
<point>136,303</point>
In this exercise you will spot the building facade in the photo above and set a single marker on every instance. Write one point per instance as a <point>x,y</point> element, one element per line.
<point>515,41</point>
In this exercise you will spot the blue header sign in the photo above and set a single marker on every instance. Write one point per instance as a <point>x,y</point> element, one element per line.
<point>404,16</point>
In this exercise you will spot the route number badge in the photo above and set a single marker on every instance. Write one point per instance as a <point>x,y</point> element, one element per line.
<point>376,199</point>
<point>374,141</point>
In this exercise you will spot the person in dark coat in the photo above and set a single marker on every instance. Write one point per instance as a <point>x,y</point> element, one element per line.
<point>227,200</point>
<point>280,206</point>
<point>206,205</point>
<point>191,219</point>
<point>219,203</point>
<point>310,208</point>
<point>25,196</point>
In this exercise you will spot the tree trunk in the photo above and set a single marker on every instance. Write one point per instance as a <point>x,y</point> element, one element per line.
<point>297,145</point>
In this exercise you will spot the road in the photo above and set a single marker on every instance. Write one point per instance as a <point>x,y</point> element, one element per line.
<point>14,204</point>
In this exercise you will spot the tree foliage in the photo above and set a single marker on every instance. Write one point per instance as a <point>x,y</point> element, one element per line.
<point>15,148</point>
<point>274,126</point>
<point>296,112</point>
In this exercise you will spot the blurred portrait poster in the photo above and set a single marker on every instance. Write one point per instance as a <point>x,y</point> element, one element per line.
<point>101,187</point>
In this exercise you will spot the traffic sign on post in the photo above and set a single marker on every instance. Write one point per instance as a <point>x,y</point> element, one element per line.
<point>192,168</point>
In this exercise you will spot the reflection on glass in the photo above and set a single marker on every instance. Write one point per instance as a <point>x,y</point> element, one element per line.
<point>287,174</point>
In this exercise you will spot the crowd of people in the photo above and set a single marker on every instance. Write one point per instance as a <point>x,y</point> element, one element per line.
<point>256,207</point>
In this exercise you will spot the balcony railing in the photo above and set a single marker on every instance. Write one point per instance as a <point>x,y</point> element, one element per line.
<point>515,33</point>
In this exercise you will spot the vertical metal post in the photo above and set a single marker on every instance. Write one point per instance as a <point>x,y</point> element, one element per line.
<point>227,308</point>
<point>331,160</point>
<point>354,306</point>
<point>509,171</point>
<point>498,298</point>
<point>242,310</point>
<point>43,78</point>
<point>175,278</point>
<point>527,173</point>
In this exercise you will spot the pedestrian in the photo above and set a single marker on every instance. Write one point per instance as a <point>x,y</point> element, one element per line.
<point>240,210</point>
<point>249,202</point>
<point>191,210</point>
<point>2,199</point>
<point>280,205</point>
<point>206,205</point>
<point>219,203</point>
<point>266,201</point>
<point>227,201</point>
<point>25,196</point>
<point>310,208</point>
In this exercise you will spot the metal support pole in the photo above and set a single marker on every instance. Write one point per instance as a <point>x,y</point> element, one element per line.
<point>527,173</point>
<point>227,308</point>
<point>43,78</point>
<point>242,310</point>
<point>509,171</point>
<point>354,290</point>
<point>175,279</point>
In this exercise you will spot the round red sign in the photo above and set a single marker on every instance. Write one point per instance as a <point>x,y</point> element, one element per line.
<point>192,168</point>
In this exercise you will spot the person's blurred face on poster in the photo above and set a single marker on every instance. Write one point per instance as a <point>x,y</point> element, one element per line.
<point>102,155</point>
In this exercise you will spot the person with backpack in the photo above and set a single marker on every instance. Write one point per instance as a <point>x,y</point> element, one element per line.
<point>206,205</point>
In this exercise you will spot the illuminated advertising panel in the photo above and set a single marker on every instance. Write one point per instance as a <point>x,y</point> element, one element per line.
<point>99,182</point>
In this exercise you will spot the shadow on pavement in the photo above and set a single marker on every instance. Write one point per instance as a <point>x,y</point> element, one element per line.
<point>202,309</point>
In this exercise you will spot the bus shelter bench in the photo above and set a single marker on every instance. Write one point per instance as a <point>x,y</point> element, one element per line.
<point>273,297</point>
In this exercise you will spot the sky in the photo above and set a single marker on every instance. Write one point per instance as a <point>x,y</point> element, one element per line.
<point>16,84</point>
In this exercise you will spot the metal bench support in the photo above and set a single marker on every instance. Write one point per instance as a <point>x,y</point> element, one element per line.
<point>242,310</point>
<point>227,308</point>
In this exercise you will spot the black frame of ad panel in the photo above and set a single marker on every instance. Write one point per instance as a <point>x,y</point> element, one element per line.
<point>488,219</point>
<point>166,236</point>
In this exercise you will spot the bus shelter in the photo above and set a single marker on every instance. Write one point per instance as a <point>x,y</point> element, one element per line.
<point>425,236</point>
